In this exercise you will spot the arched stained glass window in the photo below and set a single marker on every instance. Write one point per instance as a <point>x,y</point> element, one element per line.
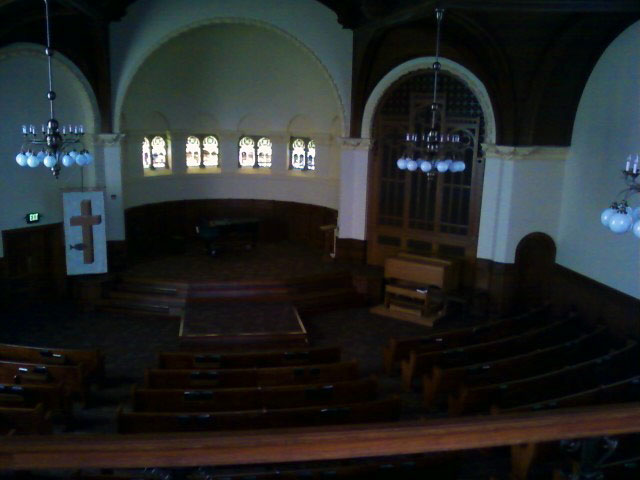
<point>302,154</point>
<point>254,152</point>
<point>146,153</point>
<point>311,155</point>
<point>247,152</point>
<point>193,152</point>
<point>298,154</point>
<point>264,152</point>
<point>202,152</point>
<point>210,152</point>
<point>159,153</point>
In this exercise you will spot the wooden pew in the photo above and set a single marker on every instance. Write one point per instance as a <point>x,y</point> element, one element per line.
<point>70,376</point>
<point>400,348</point>
<point>364,412</point>
<point>92,361</point>
<point>625,390</point>
<point>25,420</point>
<point>52,397</point>
<point>251,377</point>
<point>261,359</point>
<point>564,381</point>
<point>442,380</point>
<point>175,400</point>
<point>254,398</point>
<point>420,363</point>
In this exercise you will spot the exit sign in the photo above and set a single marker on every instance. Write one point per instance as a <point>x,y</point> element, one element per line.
<point>33,217</point>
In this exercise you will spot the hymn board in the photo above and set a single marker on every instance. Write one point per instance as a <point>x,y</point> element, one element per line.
<point>84,232</point>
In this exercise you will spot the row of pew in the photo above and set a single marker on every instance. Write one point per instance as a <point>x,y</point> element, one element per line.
<point>201,391</point>
<point>527,362</point>
<point>37,384</point>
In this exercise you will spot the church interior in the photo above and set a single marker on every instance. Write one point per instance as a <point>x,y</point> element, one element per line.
<point>312,238</point>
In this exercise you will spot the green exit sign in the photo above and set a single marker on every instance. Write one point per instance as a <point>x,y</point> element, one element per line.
<point>33,217</point>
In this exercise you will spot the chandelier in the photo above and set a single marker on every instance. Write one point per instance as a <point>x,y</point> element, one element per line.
<point>426,150</point>
<point>50,146</point>
<point>620,217</point>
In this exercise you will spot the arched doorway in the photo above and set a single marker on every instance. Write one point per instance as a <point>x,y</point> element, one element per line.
<point>409,211</point>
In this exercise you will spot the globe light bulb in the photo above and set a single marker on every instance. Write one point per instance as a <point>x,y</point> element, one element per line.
<point>412,165</point>
<point>49,161</point>
<point>402,163</point>
<point>442,166</point>
<point>605,216</point>
<point>426,167</point>
<point>636,229</point>
<point>620,223</point>
<point>459,166</point>
<point>33,161</point>
<point>88,158</point>
<point>21,159</point>
<point>67,161</point>
<point>80,160</point>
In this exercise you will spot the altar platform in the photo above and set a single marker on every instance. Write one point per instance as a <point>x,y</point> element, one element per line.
<point>232,326</point>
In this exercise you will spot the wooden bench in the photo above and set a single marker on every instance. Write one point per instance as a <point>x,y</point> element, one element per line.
<point>625,390</point>
<point>420,363</point>
<point>443,380</point>
<point>251,377</point>
<point>364,412</point>
<point>70,376</point>
<point>557,383</point>
<point>52,397</point>
<point>92,361</point>
<point>189,360</point>
<point>400,348</point>
<point>254,398</point>
<point>25,420</point>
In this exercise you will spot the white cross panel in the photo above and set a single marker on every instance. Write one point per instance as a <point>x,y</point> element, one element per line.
<point>84,232</point>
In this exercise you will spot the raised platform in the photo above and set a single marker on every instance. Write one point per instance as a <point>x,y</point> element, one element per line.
<point>269,273</point>
<point>250,325</point>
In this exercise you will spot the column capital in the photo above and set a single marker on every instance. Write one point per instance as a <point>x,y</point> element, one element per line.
<point>355,143</point>
<point>521,153</point>
<point>109,138</point>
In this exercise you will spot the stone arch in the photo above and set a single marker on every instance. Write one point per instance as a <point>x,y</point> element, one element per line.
<point>422,63</point>
<point>129,76</point>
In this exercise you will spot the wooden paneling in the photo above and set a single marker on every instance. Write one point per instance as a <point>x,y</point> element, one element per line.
<point>34,262</point>
<point>161,228</point>
<point>351,250</point>
<point>594,301</point>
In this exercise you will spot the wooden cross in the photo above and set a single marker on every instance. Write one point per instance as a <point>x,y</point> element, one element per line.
<point>86,221</point>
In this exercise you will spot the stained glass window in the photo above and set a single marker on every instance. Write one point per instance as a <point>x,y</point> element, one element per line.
<point>159,153</point>
<point>146,153</point>
<point>254,152</point>
<point>202,153</point>
<point>247,152</point>
<point>264,152</point>
<point>303,154</point>
<point>193,152</point>
<point>210,152</point>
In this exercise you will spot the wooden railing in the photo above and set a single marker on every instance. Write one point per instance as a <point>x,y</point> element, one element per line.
<point>520,431</point>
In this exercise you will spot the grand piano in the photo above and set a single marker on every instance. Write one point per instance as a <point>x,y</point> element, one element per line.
<point>218,233</point>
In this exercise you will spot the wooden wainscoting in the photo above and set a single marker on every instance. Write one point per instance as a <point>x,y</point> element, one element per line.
<point>34,263</point>
<point>160,228</point>
<point>594,301</point>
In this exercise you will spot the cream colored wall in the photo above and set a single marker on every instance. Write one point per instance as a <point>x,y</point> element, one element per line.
<point>23,87</point>
<point>606,131</point>
<point>232,79</point>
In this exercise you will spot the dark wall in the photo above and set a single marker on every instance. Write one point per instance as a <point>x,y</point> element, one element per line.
<point>158,228</point>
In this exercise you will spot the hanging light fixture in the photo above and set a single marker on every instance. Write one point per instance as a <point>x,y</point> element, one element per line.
<point>50,147</point>
<point>426,150</point>
<point>620,217</point>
